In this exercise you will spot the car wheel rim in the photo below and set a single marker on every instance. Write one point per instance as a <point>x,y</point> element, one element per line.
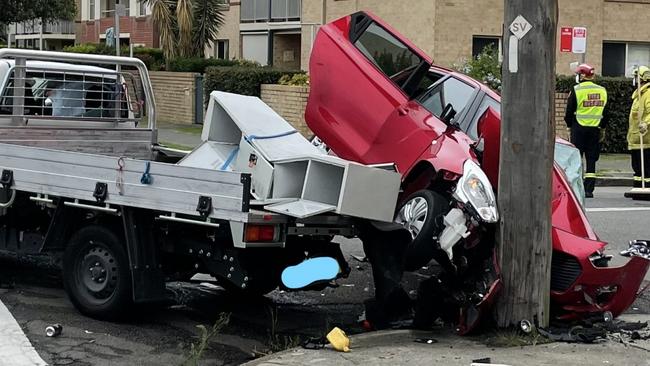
<point>97,273</point>
<point>413,215</point>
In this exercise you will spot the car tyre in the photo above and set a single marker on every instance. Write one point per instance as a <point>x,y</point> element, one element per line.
<point>96,274</point>
<point>421,214</point>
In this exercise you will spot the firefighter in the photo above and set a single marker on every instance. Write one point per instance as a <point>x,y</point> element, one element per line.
<point>585,116</point>
<point>639,126</point>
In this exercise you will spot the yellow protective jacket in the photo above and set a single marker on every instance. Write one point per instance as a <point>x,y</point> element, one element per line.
<point>640,104</point>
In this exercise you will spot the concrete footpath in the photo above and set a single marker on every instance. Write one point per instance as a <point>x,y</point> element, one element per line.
<point>400,348</point>
<point>15,348</point>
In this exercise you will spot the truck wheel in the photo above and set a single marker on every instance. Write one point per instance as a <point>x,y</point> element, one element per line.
<point>96,273</point>
<point>420,216</point>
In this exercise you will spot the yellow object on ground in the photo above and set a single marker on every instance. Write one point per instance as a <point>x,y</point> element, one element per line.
<point>339,340</point>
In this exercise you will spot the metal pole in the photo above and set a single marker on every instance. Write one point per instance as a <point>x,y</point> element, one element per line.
<point>117,27</point>
<point>639,114</point>
<point>40,37</point>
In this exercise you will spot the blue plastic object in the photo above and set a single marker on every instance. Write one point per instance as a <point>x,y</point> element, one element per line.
<point>310,271</point>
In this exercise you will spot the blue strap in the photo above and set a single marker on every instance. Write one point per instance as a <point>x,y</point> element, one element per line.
<point>250,139</point>
<point>255,137</point>
<point>146,177</point>
<point>228,161</point>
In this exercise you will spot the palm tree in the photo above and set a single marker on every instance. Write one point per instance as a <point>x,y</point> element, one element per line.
<point>186,27</point>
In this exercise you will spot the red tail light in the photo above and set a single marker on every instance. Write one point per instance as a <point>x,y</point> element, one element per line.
<point>260,233</point>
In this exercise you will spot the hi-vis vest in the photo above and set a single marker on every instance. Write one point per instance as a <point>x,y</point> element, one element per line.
<point>591,100</point>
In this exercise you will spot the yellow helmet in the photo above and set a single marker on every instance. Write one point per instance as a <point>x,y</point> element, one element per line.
<point>644,73</point>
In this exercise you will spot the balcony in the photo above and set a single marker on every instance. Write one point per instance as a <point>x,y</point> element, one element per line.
<point>264,11</point>
<point>34,27</point>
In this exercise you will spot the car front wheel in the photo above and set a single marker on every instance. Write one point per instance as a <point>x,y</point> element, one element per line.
<point>421,215</point>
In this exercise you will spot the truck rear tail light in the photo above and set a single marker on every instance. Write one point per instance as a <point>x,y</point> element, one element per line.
<point>261,233</point>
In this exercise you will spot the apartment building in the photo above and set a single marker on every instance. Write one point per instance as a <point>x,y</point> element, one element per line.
<point>265,31</point>
<point>136,26</point>
<point>33,34</point>
<point>281,32</point>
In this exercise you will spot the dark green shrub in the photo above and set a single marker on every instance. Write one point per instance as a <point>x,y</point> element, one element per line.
<point>242,80</point>
<point>152,57</point>
<point>197,64</point>
<point>619,91</point>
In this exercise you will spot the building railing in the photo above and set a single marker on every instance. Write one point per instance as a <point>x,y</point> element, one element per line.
<point>34,27</point>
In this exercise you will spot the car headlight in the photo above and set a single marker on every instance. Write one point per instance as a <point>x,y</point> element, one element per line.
<point>474,189</point>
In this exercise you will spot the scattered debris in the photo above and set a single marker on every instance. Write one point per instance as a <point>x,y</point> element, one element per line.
<point>425,340</point>
<point>339,340</point>
<point>314,343</point>
<point>483,360</point>
<point>348,285</point>
<point>638,248</point>
<point>359,258</point>
<point>54,330</point>
<point>88,332</point>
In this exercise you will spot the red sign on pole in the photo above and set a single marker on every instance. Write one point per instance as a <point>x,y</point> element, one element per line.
<point>566,39</point>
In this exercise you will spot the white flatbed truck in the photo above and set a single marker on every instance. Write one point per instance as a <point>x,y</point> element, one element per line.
<point>81,175</point>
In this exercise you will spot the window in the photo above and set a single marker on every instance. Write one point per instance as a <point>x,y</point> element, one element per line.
<point>109,8</point>
<point>620,58</point>
<point>390,55</point>
<point>614,59</point>
<point>221,50</point>
<point>143,9</point>
<point>450,91</point>
<point>91,9</point>
<point>479,43</point>
<point>285,10</point>
<point>486,103</point>
<point>255,11</point>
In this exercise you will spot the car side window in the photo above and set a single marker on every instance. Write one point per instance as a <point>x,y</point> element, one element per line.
<point>487,102</point>
<point>388,53</point>
<point>450,91</point>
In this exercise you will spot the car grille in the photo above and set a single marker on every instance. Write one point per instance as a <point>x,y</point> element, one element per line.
<point>565,270</point>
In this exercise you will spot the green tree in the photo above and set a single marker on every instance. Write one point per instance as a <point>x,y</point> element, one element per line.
<point>187,26</point>
<point>47,10</point>
<point>485,67</point>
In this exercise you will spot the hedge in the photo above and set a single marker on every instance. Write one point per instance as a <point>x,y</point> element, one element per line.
<point>242,80</point>
<point>197,64</point>
<point>153,58</point>
<point>619,102</point>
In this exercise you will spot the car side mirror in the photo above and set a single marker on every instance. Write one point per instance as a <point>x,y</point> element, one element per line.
<point>448,114</point>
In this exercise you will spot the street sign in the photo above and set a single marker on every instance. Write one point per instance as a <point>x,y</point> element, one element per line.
<point>579,40</point>
<point>566,39</point>
<point>520,27</point>
<point>573,39</point>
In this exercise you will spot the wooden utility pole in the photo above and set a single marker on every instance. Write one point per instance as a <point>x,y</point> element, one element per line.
<point>527,146</point>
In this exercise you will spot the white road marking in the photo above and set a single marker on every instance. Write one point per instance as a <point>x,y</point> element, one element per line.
<point>15,348</point>
<point>617,209</point>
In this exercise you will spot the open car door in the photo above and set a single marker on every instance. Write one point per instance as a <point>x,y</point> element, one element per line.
<point>364,78</point>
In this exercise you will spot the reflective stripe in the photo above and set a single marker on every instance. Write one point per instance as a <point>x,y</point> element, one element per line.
<point>591,175</point>
<point>588,87</point>
<point>637,179</point>
<point>589,116</point>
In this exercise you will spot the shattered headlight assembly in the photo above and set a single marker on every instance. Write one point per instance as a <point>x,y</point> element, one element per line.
<point>474,189</point>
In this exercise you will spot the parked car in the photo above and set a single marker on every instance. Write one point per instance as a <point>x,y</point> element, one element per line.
<point>377,98</point>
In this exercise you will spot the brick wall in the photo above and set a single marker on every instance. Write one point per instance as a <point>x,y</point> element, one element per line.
<point>286,51</point>
<point>561,130</point>
<point>290,103</point>
<point>174,92</point>
<point>140,29</point>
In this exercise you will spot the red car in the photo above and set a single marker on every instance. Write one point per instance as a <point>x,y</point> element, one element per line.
<point>377,98</point>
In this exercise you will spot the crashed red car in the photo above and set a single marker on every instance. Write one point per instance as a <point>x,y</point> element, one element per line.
<point>376,98</point>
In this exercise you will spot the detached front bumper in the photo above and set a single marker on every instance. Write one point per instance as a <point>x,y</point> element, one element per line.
<point>579,288</point>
